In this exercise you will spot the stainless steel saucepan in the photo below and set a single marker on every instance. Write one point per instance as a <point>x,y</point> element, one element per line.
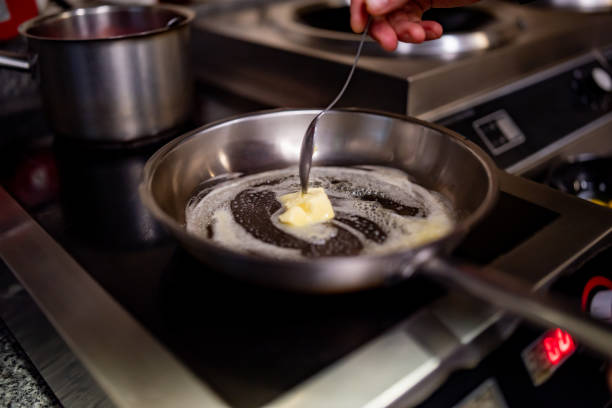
<point>110,73</point>
<point>437,158</point>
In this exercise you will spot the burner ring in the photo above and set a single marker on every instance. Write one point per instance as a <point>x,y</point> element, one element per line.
<point>325,24</point>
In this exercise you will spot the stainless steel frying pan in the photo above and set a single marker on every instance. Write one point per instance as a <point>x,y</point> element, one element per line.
<point>436,157</point>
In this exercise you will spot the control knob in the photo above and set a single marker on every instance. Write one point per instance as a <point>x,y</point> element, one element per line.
<point>602,79</point>
<point>597,298</point>
<point>593,88</point>
<point>601,306</point>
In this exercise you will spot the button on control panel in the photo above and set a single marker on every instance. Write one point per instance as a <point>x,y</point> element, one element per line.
<point>602,79</point>
<point>498,132</point>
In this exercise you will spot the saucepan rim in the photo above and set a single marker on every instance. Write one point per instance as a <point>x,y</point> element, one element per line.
<point>187,14</point>
<point>454,236</point>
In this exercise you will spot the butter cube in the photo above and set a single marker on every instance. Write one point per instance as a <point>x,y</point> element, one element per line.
<point>306,209</point>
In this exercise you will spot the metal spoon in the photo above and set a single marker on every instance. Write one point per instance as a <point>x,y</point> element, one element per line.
<point>308,140</point>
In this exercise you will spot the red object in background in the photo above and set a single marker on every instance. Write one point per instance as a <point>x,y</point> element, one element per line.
<point>592,283</point>
<point>34,180</point>
<point>13,13</point>
<point>558,344</point>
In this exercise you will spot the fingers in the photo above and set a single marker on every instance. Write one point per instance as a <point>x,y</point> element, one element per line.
<point>359,15</point>
<point>410,31</point>
<point>382,32</point>
<point>399,20</point>
<point>407,24</point>
<point>433,30</point>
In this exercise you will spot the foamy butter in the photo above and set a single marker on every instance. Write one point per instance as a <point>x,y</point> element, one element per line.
<point>378,209</point>
<point>306,209</point>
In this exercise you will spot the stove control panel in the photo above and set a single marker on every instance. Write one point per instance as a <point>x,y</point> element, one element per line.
<point>531,369</point>
<point>539,113</point>
<point>535,367</point>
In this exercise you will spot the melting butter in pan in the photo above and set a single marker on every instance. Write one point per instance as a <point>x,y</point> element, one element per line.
<point>306,209</point>
<point>365,210</point>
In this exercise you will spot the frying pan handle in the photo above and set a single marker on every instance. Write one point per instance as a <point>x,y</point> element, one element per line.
<point>511,294</point>
<point>17,61</point>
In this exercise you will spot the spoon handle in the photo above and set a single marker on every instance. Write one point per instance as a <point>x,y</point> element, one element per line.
<point>308,141</point>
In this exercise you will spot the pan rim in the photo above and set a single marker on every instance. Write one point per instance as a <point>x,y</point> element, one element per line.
<point>24,28</point>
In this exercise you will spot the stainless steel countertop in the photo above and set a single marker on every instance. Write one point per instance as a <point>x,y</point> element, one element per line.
<point>247,40</point>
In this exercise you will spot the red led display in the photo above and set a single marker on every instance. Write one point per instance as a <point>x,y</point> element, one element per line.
<point>558,344</point>
<point>546,354</point>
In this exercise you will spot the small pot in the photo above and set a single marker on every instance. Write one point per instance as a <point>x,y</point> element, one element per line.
<point>111,73</point>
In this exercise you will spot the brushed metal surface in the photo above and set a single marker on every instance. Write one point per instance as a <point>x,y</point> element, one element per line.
<point>257,59</point>
<point>62,371</point>
<point>113,73</point>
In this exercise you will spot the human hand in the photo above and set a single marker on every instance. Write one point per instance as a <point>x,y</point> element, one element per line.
<point>399,20</point>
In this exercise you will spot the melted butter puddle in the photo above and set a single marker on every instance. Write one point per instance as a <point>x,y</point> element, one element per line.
<point>377,210</point>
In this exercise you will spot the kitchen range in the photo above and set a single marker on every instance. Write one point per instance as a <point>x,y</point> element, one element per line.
<point>151,326</point>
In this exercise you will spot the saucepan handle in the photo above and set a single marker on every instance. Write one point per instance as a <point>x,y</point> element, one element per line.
<point>511,294</point>
<point>17,61</point>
